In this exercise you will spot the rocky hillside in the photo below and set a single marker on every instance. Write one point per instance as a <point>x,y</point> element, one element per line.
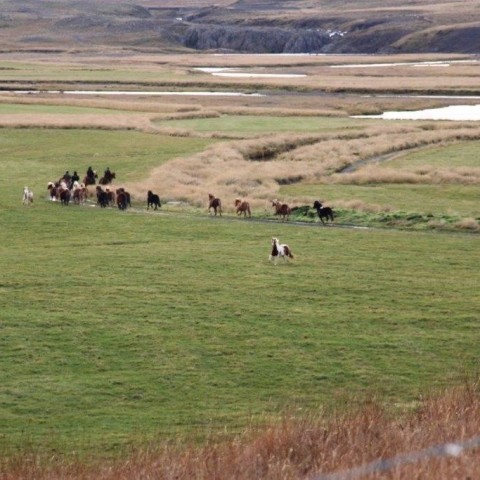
<point>256,26</point>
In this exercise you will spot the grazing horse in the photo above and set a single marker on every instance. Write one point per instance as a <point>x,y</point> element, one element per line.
<point>27,196</point>
<point>279,251</point>
<point>242,207</point>
<point>323,212</point>
<point>282,209</point>
<point>214,203</point>
<point>153,200</point>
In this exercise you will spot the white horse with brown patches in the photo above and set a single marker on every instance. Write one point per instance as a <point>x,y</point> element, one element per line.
<point>279,251</point>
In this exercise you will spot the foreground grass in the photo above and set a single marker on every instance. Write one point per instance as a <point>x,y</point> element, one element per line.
<point>120,328</point>
<point>300,447</point>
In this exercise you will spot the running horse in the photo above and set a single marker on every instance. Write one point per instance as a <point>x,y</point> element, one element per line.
<point>279,251</point>
<point>282,209</point>
<point>323,212</point>
<point>27,196</point>
<point>108,178</point>
<point>242,207</point>
<point>214,203</point>
<point>90,179</point>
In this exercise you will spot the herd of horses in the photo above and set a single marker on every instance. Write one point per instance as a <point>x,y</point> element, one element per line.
<point>78,193</point>
<point>282,210</point>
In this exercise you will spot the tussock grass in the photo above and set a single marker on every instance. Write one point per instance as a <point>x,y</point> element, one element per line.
<point>373,174</point>
<point>468,224</point>
<point>257,168</point>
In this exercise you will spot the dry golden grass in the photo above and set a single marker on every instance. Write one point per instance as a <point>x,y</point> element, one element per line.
<point>295,448</point>
<point>468,224</point>
<point>255,169</point>
<point>110,122</point>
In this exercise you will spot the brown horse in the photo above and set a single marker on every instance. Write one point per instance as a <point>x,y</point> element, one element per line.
<point>90,180</point>
<point>214,203</point>
<point>107,178</point>
<point>282,209</point>
<point>242,207</point>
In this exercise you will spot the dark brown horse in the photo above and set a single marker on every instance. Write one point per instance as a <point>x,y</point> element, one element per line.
<point>153,200</point>
<point>242,207</point>
<point>102,197</point>
<point>90,180</point>
<point>282,209</point>
<point>214,203</point>
<point>323,212</point>
<point>123,199</point>
<point>107,179</point>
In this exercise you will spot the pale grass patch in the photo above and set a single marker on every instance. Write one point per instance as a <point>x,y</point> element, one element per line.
<point>468,224</point>
<point>361,206</point>
<point>437,223</point>
<point>111,122</point>
<point>149,105</point>
<point>375,174</point>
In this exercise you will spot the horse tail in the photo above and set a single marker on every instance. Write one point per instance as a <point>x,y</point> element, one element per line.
<point>288,251</point>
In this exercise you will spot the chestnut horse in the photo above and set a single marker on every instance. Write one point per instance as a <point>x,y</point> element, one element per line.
<point>242,207</point>
<point>279,251</point>
<point>214,203</point>
<point>282,209</point>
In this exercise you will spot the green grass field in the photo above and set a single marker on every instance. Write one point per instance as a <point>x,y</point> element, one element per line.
<point>34,157</point>
<point>459,200</point>
<point>261,124</point>
<point>119,327</point>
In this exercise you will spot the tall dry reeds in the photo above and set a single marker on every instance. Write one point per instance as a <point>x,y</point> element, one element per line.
<point>295,448</point>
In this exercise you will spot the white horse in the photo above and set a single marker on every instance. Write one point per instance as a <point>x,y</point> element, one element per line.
<point>27,196</point>
<point>279,251</point>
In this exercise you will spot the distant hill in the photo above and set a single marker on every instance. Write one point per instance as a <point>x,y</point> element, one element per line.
<point>257,26</point>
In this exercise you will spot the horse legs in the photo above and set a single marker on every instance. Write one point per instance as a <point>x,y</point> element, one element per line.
<point>320,217</point>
